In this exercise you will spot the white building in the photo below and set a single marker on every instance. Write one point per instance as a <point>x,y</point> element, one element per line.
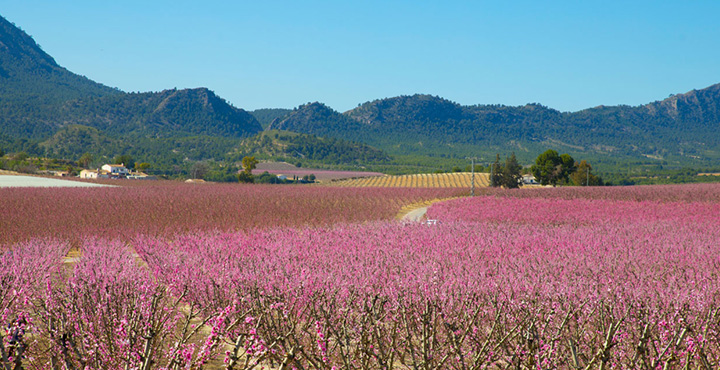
<point>89,174</point>
<point>118,170</point>
<point>529,180</point>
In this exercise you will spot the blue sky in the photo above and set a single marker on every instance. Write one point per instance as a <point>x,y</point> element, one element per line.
<point>568,55</point>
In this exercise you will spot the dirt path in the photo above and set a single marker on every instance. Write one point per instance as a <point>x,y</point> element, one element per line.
<point>74,255</point>
<point>416,212</point>
<point>416,215</point>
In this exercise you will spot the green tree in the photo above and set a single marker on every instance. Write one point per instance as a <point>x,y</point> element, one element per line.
<point>142,166</point>
<point>71,170</point>
<point>567,167</point>
<point>265,178</point>
<point>86,160</point>
<point>511,173</point>
<point>249,164</point>
<point>309,178</point>
<point>552,168</point>
<point>245,177</point>
<point>125,160</point>
<point>21,156</point>
<point>2,153</point>
<point>583,176</point>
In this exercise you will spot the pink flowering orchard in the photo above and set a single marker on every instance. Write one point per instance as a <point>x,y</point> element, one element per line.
<point>168,208</point>
<point>548,279</point>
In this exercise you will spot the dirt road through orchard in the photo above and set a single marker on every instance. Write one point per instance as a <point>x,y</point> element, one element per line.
<point>416,212</point>
<point>416,215</point>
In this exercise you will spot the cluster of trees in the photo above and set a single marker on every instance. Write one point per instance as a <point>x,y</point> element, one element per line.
<point>507,174</point>
<point>268,178</point>
<point>24,163</point>
<point>550,168</point>
<point>554,169</point>
<point>250,163</point>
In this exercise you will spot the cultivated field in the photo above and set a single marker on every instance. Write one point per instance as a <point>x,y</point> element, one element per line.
<point>162,208</point>
<point>281,168</point>
<point>582,278</point>
<point>426,180</point>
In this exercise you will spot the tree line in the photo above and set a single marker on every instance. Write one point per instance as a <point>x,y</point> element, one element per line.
<point>550,168</point>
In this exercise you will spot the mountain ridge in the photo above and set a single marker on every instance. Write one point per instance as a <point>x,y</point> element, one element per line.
<point>38,97</point>
<point>40,102</point>
<point>644,131</point>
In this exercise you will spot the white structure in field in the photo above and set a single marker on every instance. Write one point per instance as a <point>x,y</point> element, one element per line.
<point>116,169</point>
<point>529,180</point>
<point>113,171</point>
<point>89,174</point>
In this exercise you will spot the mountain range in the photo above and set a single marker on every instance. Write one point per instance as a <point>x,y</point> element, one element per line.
<point>39,99</point>
<point>681,129</point>
<point>46,108</point>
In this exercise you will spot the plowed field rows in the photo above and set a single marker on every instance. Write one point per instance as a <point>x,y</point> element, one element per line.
<point>425,180</point>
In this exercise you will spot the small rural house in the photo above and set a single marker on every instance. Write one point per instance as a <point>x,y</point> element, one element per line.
<point>529,180</point>
<point>93,174</point>
<point>116,170</point>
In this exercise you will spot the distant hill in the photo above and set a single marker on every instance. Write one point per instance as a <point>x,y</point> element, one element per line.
<point>423,124</point>
<point>39,100</point>
<point>318,119</point>
<point>33,86</point>
<point>268,115</point>
<point>46,109</point>
<point>27,71</point>
<point>166,113</point>
<point>66,141</point>
<point>676,131</point>
<point>285,145</point>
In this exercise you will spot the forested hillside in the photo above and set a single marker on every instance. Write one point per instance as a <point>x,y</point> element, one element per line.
<point>293,147</point>
<point>268,115</point>
<point>676,131</point>
<point>48,110</point>
<point>41,102</point>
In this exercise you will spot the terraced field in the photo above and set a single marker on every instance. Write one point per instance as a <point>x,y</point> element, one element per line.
<point>424,180</point>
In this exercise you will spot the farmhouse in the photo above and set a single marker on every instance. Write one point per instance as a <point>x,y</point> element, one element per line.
<point>529,180</point>
<point>116,170</point>
<point>94,174</point>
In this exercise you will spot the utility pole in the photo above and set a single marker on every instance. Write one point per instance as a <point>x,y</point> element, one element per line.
<point>472,176</point>
<point>492,175</point>
<point>587,176</point>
